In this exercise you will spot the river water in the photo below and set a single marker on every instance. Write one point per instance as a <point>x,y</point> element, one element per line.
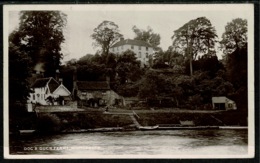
<point>137,143</point>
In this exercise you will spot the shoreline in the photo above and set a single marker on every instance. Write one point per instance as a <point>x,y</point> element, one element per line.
<point>122,129</point>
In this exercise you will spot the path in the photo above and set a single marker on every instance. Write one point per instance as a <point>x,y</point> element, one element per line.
<point>132,116</point>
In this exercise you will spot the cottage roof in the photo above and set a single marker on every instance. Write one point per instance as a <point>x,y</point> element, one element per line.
<point>93,85</point>
<point>42,82</point>
<point>61,87</point>
<point>132,42</point>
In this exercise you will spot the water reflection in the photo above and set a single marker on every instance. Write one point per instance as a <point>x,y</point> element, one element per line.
<point>167,142</point>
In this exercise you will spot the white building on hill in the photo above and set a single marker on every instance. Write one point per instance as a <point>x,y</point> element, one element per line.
<point>141,48</point>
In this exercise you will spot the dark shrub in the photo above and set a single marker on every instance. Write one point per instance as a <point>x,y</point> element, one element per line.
<point>48,123</point>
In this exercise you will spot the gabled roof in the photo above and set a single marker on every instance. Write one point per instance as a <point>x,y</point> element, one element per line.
<point>132,42</point>
<point>43,82</point>
<point>53,85</point>
<point>93,85</point>
<point>60,87</point>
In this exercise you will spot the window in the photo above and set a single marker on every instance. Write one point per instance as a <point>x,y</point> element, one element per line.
<point>139,47</point>
<point>122,47</point>
<point>132,46</point>
<point>146,48</point>
<point>140,55</point>
<point>146,55</point>
<point>33,97</point>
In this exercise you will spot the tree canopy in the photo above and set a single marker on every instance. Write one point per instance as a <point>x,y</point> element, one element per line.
<point>147,36</point>
<point>234,45</point>
<point>235,35</point>
<point>40,35</point>
<point>105,35</point>
<point>19,71</point>
<point>128,68</point>
<point>195,37</point>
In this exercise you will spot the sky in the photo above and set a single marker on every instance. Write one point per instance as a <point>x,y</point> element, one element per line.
<point>163,19</point>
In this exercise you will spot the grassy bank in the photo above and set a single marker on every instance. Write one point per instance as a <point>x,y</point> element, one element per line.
<point>89,119</point>
<point>199,118</point>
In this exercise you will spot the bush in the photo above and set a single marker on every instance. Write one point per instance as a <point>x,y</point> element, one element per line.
<point>48,123</point>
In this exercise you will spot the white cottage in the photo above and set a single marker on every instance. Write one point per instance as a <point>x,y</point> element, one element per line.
<point>47,91</point>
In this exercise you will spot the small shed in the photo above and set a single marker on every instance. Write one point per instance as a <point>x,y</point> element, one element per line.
<point>223,103</point>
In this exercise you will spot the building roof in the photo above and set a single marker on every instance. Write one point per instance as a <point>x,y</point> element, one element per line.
<point>42,82</point>
<point>61,86</point>
<point>221,99</point>
<point>132,42</point>
<point>93,85</point>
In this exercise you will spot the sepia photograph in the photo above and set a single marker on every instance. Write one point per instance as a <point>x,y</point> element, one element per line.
<point>129,81</point>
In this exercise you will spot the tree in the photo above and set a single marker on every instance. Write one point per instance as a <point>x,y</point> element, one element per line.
<point>105,35</point>
<point>147,36</point>
<point>206,63</point>
<point>194,38</point>
<point>128,68</point>
<point>149,85</point>
<point>19,71</point>
<point>234,44</point>
<point>235,35</point>
<point>40,35</point>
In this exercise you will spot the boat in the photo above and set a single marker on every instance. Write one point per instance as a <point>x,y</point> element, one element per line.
<point>26,132</point>
<point>148,127</point>
<point>233,127</point>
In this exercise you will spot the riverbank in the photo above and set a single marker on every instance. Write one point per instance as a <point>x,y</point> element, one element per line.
<point>90,120</point>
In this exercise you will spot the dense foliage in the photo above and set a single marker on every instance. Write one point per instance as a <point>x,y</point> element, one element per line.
<point>18,84</point>
<point>34,45</point>
<point>148,36</point>
<point>168,79</point>
<point>188,74</point>
<point>105,35</point>
<point>196,37</point>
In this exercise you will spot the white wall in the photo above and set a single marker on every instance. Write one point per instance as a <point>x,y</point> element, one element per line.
<point>140,52</point>
<point>38,96</point>
<point>61,91</point>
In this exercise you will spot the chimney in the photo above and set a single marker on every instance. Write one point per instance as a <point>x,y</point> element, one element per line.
<point>57,75</point>
<point>60,80</point>
<point>38,74</point>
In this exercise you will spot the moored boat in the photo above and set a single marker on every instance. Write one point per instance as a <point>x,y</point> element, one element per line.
<point>148,127</point>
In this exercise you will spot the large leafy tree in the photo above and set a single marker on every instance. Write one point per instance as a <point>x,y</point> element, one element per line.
<point>40,35</point>
<point>147,36</point>
<point>195,37</point>
<point>235,35</point>
<point>105,35</point>
<point>234,44</point>
<point>19,71</point>
<point>128,68</point>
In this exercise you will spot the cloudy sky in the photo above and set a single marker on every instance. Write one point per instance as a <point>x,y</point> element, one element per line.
<point>163,19</point>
